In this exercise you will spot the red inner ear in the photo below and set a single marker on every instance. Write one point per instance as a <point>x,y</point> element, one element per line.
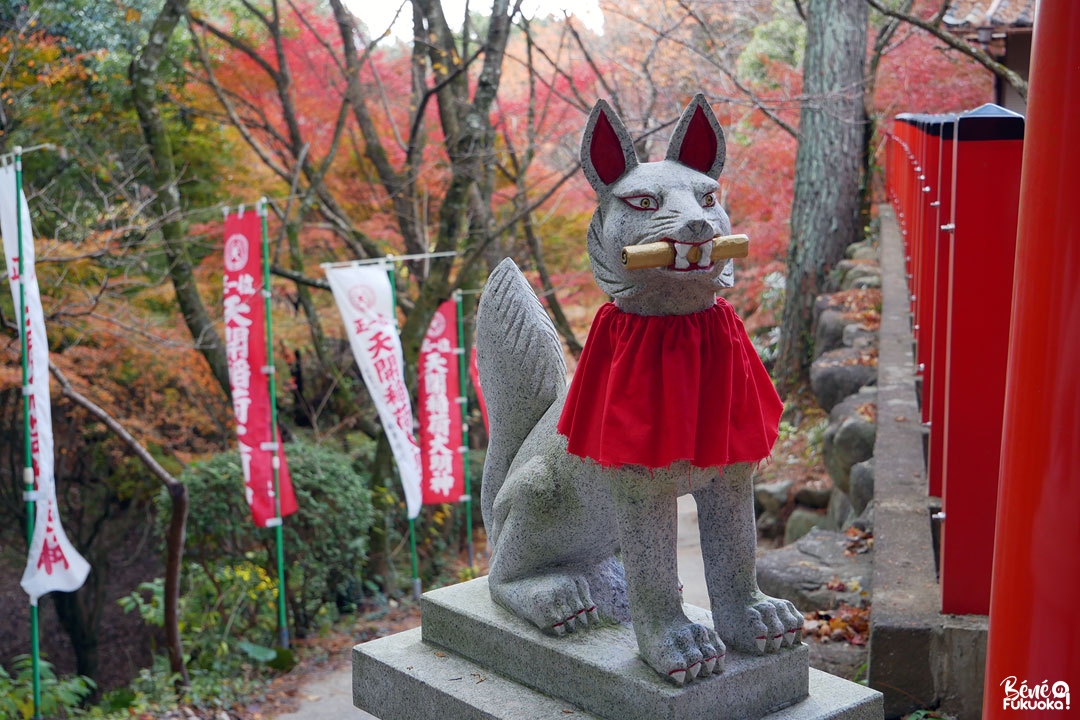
<point>605,151</point>
<point>699,145</point>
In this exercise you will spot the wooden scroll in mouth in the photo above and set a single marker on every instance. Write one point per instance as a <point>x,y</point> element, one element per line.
<point>662,254</point>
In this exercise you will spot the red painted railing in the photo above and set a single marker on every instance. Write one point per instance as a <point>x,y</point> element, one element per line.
<point>994,262</point>
<point>954,180</point>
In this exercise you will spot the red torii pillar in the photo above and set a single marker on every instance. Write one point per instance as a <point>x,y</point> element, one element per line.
<point>1034,634</point>
<point>988,140</point>
<point>934,390</point>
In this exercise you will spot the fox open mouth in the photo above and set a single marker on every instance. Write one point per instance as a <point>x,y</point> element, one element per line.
<point>691,256</point>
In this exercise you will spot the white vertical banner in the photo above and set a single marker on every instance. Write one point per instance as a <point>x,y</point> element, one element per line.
<point>53,564</point>
<point>365,300</point>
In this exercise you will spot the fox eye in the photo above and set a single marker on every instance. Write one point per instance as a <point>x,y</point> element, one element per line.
<point>641,202</point>
<point>709,200</point>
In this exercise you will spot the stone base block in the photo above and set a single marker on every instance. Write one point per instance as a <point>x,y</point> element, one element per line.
<point>403,678</point>
<point>599,670</point>
<point>443,671</point>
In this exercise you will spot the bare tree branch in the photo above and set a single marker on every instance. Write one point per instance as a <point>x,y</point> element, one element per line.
<point>360,242</point>
<point>933,27</point>
<point>233,42</point>
<point>114,425</point>
<point>299,278</point>
<point>175,534</point>
<point>758,103</point>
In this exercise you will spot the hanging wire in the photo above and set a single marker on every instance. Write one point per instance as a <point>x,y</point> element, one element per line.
<point>389,259</point>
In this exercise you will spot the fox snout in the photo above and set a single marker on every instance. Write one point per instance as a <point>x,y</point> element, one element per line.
<point>696,231</point>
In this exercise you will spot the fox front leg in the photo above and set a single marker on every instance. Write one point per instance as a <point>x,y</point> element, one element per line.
<point>746,619</point>
<point>647,516</point>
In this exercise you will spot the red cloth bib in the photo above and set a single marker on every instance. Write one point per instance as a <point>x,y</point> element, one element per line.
<point>650,390</point>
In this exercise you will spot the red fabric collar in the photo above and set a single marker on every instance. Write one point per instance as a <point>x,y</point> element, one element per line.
<point>652,390</point>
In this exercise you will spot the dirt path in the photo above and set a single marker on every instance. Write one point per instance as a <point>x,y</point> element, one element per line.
<point>327,696</point>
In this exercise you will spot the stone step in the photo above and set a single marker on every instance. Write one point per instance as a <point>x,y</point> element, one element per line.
<point>401,677</point>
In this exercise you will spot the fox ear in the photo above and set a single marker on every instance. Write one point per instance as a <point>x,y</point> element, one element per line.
<point>698,141</point>
<point>607,151</point>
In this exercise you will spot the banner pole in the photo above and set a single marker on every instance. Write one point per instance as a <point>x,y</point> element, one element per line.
<point>275,460</point>
<point>412,524</point>
<point>28,455</point>
<point>464,401</point>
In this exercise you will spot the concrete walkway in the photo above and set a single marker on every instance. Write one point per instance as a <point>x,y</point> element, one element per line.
<point>329,695</point>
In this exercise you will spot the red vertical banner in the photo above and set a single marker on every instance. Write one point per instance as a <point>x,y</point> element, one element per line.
<point>440,412</point>
<point>245,346</point>
<point>474,373</point>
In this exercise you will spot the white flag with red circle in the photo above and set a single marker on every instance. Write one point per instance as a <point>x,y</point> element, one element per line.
<point>440,410</point>
<point>365,300</point>
<point>52,564</point>
<point>245,348</point>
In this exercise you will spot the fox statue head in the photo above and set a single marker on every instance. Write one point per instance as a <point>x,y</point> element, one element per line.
<point>675,200</point>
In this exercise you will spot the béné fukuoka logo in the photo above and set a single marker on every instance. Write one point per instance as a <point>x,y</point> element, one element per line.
<point>1040,696</point>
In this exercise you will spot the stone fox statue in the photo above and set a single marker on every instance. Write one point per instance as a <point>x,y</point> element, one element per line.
<point>580,483</point>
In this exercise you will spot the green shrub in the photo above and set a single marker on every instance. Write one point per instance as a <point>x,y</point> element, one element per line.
<point>59,698</point>
<point>325,540</point>
<point>220,616</point>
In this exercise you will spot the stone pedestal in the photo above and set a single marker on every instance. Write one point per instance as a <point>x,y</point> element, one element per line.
<point>446,670</point>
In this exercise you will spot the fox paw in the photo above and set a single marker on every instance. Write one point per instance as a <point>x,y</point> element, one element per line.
<point>763,625</point>
<point>682,650</point>
<point>555,603</point>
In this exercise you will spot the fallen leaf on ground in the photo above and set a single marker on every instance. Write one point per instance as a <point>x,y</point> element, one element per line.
<point>843,624</point>
<point>858,542</point>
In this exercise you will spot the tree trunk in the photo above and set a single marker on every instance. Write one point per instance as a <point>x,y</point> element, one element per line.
<point>885,32</point>
<point>296,261</point>
<point>79,614</point>
<point>824,214</point>
<point>143,74</point>
<point>174,556</point>
<point>379,565</point>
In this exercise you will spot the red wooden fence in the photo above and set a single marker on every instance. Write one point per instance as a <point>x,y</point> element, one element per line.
<point>955,183</point>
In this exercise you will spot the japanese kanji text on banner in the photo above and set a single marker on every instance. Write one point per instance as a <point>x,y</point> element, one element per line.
<point>53,564</point>
<point>245,347</point>
<point>440,411</point>
<point>364,299</point>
